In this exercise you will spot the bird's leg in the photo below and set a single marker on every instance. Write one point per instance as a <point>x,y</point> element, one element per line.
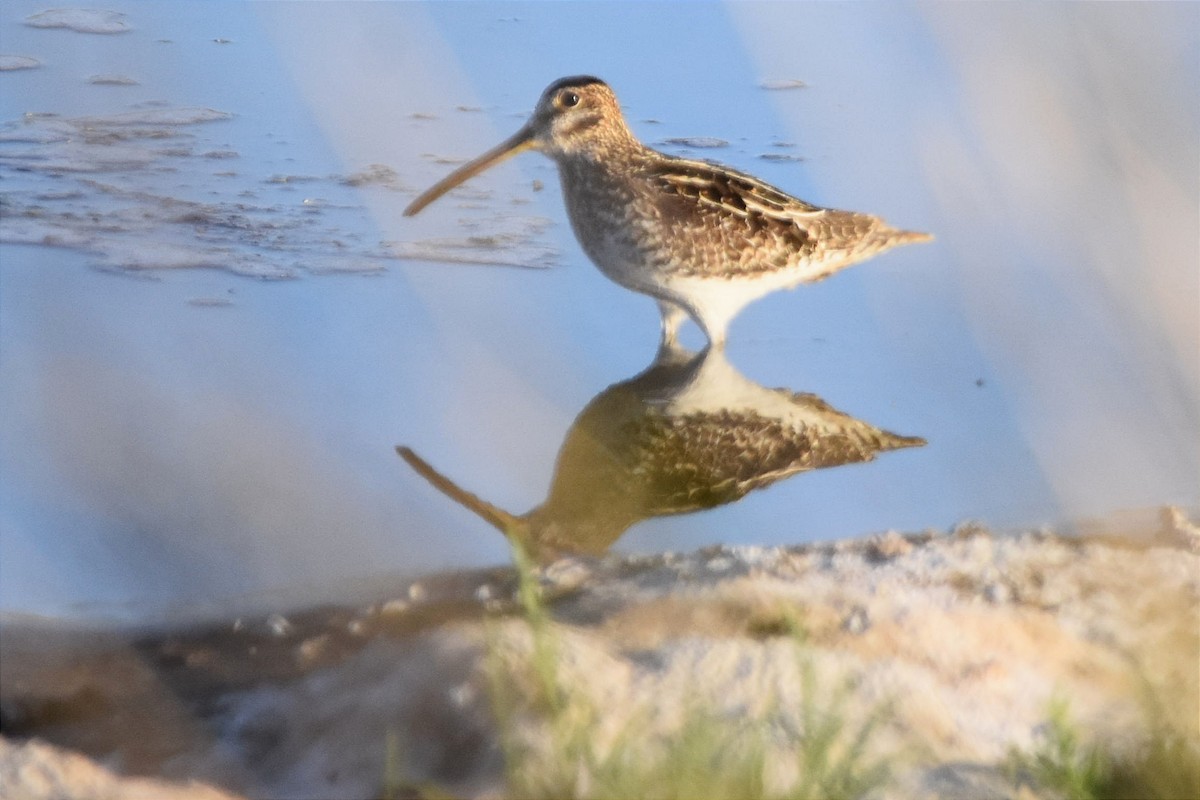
<point>672,317</point>
<point>716,336</point>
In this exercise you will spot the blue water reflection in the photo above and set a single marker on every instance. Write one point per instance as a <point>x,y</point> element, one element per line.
<point>687,434</point>
<point>175,436</point>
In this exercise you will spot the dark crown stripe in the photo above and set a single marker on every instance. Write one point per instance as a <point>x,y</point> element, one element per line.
<point>574,80</point>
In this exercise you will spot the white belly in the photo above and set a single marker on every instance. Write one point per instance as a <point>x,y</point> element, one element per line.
<point>711,301</point>
<point>714,302</point>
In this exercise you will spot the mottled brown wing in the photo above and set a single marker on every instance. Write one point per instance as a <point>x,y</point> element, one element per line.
<point>766,227</point>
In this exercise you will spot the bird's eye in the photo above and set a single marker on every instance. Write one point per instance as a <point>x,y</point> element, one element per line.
<point>568,99</point>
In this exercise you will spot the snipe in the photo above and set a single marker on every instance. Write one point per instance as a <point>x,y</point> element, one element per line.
<point>702,239</point>
<point>688,433</point>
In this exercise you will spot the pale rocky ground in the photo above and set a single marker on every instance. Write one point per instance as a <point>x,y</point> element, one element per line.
<point>38,770</point>
<point>964,637</point>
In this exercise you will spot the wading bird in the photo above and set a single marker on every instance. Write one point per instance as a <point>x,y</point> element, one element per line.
<point>702,239</point>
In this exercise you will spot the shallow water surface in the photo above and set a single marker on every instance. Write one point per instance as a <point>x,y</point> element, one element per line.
<point>216,326</point>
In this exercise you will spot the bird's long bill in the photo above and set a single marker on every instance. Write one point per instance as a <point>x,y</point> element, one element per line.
<point>519,142</point>
<point>503,521</point>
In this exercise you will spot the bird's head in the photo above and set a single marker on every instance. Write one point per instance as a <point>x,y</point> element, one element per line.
<point>575,117</point>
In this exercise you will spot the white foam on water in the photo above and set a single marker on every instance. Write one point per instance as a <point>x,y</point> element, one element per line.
<point>80,20</point>
<point>10,63</point>
<point>699,142</point>
<point>112,80</point>
<point>160,115</point>
<point>376,175</point>
<point>782,85</point>
<point>502,240</point>
<point>79,157</point>
<point>125,194</point>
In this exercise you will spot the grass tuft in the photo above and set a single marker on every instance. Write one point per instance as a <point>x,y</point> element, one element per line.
<point>710,755</point>
<point>1165,767</point>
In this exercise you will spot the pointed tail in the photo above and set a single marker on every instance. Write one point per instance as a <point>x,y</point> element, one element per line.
<point>885,237</point>
<point>894,441</point>
<point>876,237</point>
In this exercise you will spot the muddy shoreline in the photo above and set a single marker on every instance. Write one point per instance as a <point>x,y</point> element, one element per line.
<point>967,636</point>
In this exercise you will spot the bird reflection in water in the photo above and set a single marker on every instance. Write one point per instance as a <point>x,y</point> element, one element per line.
<point>688,433</point>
